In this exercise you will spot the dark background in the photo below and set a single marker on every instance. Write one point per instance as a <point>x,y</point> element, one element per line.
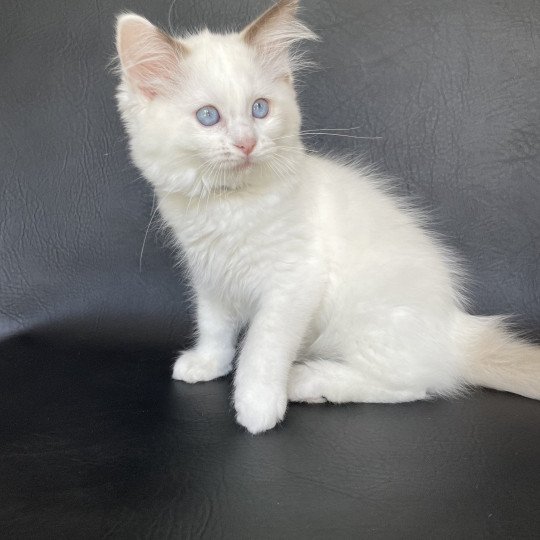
<point>96,440</point>
<point>450,87</point>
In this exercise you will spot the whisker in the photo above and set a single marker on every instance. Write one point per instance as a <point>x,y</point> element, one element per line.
<point>314,134</point>
<point>154,210</point>
<point>330,129</point>
<point>152,214</point>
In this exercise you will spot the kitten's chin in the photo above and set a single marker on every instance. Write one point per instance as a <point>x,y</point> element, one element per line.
<point>237,165</point>
<point>242,166</point>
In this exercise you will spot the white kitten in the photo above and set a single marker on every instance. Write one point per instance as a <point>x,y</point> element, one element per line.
<point>345,295</point>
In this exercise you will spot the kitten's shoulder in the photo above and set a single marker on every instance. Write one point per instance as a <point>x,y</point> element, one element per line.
<point>349,182</point>
<point>337,170</point>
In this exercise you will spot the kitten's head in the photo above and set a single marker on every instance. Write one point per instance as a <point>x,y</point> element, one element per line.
<point>211,111</point>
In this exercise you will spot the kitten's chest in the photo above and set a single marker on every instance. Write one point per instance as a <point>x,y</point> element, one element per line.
<point>241,254</point>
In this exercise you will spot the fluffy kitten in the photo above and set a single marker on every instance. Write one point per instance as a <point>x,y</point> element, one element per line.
<point>345,295</point>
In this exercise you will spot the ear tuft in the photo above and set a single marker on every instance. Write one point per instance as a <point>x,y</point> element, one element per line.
<point>150,59</point>
<point>274,35</point>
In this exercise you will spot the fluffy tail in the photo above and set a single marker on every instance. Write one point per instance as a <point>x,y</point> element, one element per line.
<point>495,358</point>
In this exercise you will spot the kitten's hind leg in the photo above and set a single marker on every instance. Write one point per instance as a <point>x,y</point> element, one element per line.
<point>317,381</point>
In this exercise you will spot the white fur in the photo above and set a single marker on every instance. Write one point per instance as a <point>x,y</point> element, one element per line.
<point>346,297</point>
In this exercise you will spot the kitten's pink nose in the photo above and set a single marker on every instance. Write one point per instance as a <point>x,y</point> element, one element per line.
<point>246,145</point>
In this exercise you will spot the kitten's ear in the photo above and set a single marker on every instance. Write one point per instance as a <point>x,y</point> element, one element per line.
<point>150,59</point>
<point>275,32</point>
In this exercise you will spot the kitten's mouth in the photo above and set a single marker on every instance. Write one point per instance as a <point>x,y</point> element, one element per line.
<point>243,165</point>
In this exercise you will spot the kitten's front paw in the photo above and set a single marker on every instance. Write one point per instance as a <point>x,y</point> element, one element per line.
<point>193,367</point>
<point>259,408</point>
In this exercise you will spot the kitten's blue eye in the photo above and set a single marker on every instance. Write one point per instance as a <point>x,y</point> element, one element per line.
<point>208,115</point>
<point>260,108</point>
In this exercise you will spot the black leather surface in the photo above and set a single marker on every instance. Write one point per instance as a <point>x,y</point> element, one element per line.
<point>96,440</point>
<point>104,446</point>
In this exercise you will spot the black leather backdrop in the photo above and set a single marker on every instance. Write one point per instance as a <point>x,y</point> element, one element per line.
<point>97,441</point>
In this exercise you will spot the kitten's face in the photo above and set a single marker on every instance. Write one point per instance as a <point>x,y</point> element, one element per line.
<point>220,82</point>
<point>208,113</point>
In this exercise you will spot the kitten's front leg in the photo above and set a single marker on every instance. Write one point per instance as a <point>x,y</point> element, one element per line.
<point>213,354</point>
<point>271,345</point>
